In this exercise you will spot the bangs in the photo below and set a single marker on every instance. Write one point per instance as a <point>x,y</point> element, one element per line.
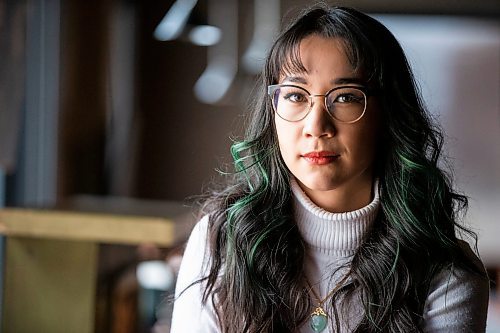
<point>284,57</point>
<point>287,59</point>
<point>291,62</point>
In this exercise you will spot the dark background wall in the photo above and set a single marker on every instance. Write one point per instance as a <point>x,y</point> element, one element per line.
<point>175,141</point>
<point>182,140</point>
<point>125,119</point>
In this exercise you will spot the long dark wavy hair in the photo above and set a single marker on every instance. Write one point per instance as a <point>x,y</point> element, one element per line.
<point>256,269</point>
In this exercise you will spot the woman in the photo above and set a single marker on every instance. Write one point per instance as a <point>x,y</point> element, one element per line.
<point>338,218</point>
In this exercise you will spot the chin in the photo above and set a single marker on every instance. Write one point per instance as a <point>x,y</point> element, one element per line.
<point>318,184</point>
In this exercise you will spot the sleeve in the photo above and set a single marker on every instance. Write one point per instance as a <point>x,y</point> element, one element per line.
<point>458,301</point>
<point>189,313</point>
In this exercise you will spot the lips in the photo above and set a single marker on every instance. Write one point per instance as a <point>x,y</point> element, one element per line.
<point>320,157</point>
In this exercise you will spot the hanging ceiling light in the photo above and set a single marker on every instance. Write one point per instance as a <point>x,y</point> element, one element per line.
<point>222,59</point>
<point>266,26</point>
<point>176,25</point>
<point>205,35</point>
<point>174,21</point>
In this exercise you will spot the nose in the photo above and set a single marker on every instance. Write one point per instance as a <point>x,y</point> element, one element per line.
<point>318,123</point>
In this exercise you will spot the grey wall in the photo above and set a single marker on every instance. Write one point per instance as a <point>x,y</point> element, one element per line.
<point>457,63</point>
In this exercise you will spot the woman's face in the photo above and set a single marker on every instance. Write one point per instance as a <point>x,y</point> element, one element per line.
<point>341,180</point>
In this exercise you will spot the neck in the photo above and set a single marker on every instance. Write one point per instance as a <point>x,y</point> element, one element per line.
<point>346,197</point>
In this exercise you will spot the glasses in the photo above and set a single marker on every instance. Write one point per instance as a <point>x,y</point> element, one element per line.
<point>345,104</point>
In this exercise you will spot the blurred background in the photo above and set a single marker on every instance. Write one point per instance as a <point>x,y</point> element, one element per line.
<point>125,109</point>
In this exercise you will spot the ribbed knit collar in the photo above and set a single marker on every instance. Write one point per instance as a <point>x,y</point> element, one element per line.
<point>334,233</point>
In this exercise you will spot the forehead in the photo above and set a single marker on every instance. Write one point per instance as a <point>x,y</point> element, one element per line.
<point>316,55</point>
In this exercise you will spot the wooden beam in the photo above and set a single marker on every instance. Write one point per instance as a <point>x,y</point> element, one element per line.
<point>100,228</point>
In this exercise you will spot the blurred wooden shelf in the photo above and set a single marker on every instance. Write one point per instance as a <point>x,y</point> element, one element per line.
<point>77,226</point>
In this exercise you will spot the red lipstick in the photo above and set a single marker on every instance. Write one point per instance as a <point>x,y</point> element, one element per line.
<point>320,157</point>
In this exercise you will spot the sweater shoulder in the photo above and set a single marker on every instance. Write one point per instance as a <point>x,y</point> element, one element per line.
<point>194,261</point>
<point>458,298</point>
<point>189,290</point>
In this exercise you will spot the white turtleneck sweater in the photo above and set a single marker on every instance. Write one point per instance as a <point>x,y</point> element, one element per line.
<point>457,302</point>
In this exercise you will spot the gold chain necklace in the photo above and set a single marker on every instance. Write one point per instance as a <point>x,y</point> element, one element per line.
<point>319,318</point>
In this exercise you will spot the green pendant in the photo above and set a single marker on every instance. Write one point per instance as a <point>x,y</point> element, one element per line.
<point>319,320</point>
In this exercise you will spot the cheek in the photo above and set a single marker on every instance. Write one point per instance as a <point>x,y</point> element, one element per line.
<point>286,141</point>
<point>367,138</point>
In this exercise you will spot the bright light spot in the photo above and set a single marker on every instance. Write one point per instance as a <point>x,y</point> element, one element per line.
<point>174,20</point>
<point>254,57</point>
<point>215,81</point>
<point>205,35</point>
<point>155,274</point>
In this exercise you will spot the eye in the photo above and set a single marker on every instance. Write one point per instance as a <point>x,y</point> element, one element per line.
<point>347,98</point>
<point>295,97</point>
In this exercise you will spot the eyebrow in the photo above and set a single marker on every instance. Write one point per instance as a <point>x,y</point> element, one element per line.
<point>338,81</point>
<point>296,79</point>
<point>349,80</point>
